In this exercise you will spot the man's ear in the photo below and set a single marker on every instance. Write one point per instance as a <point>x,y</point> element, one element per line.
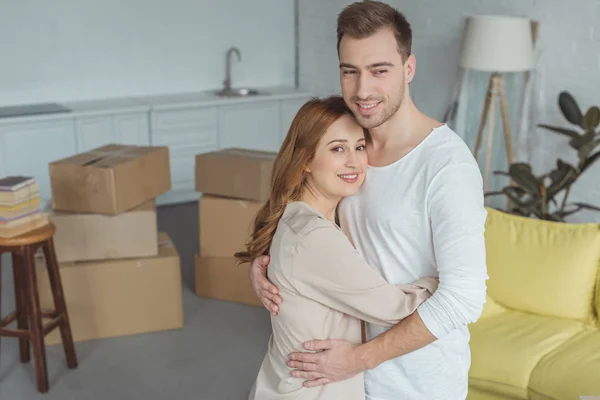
<point>410,67</point>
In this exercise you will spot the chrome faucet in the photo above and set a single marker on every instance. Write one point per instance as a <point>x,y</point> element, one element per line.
<point>227,81</point>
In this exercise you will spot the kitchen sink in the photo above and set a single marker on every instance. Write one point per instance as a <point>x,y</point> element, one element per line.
<point>239,92</point>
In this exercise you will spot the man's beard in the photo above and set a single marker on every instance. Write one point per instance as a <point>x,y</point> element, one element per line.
<point>374,121</point>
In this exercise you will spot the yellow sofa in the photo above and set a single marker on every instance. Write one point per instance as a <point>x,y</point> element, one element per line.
<point>538,337</point>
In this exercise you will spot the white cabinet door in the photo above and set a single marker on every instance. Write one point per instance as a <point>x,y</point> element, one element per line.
<point>186,132</point>
<point>132,128</point>
<point>254,126</point>
<point>96,131</point>
<point>92,132</point>
<point>289,108</point>
<point>27,148</point>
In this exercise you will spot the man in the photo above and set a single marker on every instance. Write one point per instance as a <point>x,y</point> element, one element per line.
<point>419,213</point>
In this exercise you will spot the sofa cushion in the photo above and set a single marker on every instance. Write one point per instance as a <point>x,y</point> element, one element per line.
<point>571,370</point>
<point>542,267</point>
<point>506,347</point>
<point>477,394</point>
<point>539,396</point>
<point>491,308</point>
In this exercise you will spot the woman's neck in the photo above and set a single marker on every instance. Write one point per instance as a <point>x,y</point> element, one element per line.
<point>322,204</point>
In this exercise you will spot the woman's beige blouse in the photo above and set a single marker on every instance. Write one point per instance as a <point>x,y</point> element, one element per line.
<point>327,289</point>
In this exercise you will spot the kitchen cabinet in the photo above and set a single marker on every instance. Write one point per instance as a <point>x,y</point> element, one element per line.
<point>189,124</point>
<point>186,132</point>
<point>92,132</point>
<point>96,131</point>
<point>288,111</point>
<point>27,148</point>
<point>253,126</point>
<point>132,129</point>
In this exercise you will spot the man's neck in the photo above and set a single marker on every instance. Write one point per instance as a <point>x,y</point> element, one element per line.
<point>401,133</point>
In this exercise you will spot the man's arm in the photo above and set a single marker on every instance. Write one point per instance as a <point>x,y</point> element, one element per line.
<point>408,335</point>
<point>457,217</point>
<point>337,360</point>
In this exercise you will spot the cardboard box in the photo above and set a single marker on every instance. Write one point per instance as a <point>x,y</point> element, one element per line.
<point>110,179</point>
<point>225,225</point>
<point>238,173</point>
<point>89,236</point>
<point>119,297</point>
<point>223,279</point>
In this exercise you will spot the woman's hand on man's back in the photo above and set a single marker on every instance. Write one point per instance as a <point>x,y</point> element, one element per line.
<point>264,289</point>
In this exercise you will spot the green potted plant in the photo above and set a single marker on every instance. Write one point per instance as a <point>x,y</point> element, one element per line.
<point>539,196</point>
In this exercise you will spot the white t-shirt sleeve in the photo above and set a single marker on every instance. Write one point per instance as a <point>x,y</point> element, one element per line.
<point>457,217</point>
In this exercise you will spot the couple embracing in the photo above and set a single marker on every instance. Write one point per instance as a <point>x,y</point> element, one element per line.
<point>370,252</point>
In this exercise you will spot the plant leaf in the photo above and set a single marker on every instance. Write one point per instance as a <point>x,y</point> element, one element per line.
<point>554,217</point>
<point>582,140</point>
<point>587,206</point>
<point>590,160</point>
<point>562,177</point>
<point>501,173</point>
<point>535,211</point>
<point>568,106</point>
<point>519,191</point>
<point>578,207</point>
<point>586,149</point>
<point>525,207</point>
<point>518,211</point>
<point>591,119</point>
<point>515,198</point>
<point>522,176</point>
<point>567,132</point>
<point>562,214</point>
<point>524,197</point>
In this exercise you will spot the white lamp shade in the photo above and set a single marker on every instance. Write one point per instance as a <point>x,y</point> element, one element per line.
<point>498,44</point>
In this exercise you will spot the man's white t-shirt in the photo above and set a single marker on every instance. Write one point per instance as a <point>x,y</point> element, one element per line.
<point>424,215</point>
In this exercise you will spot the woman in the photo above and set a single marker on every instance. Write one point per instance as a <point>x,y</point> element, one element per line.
<point>326,286</point>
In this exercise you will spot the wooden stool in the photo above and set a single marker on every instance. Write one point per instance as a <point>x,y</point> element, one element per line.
<point>28,313</point>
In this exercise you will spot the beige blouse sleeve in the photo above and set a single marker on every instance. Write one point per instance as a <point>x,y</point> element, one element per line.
<point>329,270</point>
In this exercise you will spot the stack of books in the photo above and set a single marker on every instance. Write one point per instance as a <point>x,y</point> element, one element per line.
<point>20,210</point>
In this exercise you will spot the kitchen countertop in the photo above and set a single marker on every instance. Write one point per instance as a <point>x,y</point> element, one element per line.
<point>55,111</point>
<point>208,98</point>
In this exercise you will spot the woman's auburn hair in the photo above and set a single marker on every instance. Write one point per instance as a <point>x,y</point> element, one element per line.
<point>288,178</point>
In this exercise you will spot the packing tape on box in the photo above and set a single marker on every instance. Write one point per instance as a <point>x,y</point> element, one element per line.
<point>243,203</point>
<point>265,155</point>
<point>122,152</point>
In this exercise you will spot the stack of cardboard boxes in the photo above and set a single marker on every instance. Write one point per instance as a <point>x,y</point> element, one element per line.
<point>234,183</point>
<point>119,274</point>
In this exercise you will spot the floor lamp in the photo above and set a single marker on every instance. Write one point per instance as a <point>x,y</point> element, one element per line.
<point>496,44</point>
